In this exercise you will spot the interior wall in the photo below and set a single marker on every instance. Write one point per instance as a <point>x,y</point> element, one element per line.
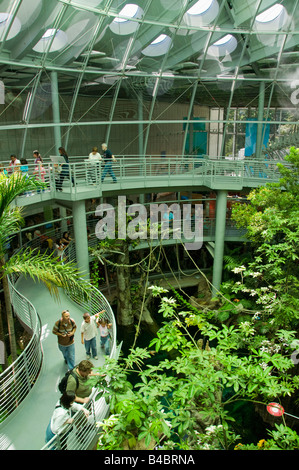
<point>123,139</point>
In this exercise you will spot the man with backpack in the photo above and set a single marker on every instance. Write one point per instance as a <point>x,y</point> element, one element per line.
<point>65,329</point>
<point>78,381</point>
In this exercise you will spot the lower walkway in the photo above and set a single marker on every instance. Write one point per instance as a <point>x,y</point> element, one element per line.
<point>25,429</point>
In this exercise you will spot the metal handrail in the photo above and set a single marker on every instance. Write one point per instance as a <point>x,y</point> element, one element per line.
<point>19,378</point>
<point>205,171</point>
<point>17,381</point>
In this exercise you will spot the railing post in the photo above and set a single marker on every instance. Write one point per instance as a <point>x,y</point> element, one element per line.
<point>26,368</point>
<point>73,173</point>
<point>121,169</point>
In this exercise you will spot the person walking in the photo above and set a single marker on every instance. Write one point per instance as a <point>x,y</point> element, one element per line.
<point>37,157</point>
<point>104,332</point>
<point>65,329</point>
<point>89,334</point>
<point>65,171</point>
<point>108,159</point>
<point>63,416</point>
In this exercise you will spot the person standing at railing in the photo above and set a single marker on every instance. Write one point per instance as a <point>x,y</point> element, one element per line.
<point>59,249</point>
<point>3,170</point>
<point>62,417</point>
<point>65,329</point>
<point>37,157</point>
<point>66,239</point>
<point>105,326</point>
<point>25,172</point>
<point>108,158</point>
<point>39,172</point>
<point>89,334</point>
<point>65,171</point>
<point>93,161</point>
<point>14,164</point>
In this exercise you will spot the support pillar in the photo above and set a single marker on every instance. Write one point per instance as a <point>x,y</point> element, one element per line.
<point>56,110</point>
<point>81,241</point>
<point>140,138</point>
<point>219,239</point>
<point>63,223</point>
<point>260,126</point>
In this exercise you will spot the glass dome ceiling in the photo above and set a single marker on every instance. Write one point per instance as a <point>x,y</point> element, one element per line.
<point>211,52</point>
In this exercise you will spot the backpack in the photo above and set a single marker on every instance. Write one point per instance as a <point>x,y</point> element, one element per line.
<point>63,382</point>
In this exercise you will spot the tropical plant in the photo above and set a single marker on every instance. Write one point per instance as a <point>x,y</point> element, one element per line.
<point>182,402</point>
<point>42,267</point>
<point>271,220</point>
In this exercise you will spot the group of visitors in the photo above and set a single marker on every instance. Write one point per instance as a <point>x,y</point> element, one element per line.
<point>107,158</point>
<point>62,170</point>
<point>66,327</point>
<point>75,387</point>
<point>16,165</point>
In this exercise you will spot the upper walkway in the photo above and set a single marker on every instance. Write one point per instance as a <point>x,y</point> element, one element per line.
<point>150,174</point>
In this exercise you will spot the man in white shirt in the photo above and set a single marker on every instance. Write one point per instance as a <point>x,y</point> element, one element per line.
<point>14,164</point>
<point>93,158</point>
<point>89,333</point>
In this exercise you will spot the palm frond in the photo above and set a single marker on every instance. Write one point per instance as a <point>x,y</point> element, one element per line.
<point>14,185</point>
<point>51,271</point>
<point>10,223</point>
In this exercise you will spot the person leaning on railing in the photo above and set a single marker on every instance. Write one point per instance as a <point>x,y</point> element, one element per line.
<point>93,158</point>
<point>82,388</point>
<point>63,416</point>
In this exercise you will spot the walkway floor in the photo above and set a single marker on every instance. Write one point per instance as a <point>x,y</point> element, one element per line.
<point>25,430</point>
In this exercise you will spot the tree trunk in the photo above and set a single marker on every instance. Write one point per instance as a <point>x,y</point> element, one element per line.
<point>125,315</point>
<point>3,355</point>
<point>10,320</point>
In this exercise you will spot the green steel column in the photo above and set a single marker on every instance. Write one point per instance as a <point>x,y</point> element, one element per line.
<point>140,138</point>
<point>56,111</point>
<point>260,126</point>
<point>219,239</point>
<point>81,242</point>
<point>63,215</point>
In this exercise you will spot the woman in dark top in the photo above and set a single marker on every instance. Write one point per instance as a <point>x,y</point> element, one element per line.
<point>65,172</point>
<point>66,239</point>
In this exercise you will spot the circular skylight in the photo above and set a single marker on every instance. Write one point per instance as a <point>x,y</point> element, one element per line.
<point>223,46</point>
<point>203,12</point>
<point>159,39</point>
<point>271,20</point>
<point>158,46</point>
<point>271,14</point>
<point>129,11</point>
<point>123,23</point>
<point>223,40</point>
<point>57,38</point>
<point>200,7</point>
<point>49,34</point>
<point>14,29</point>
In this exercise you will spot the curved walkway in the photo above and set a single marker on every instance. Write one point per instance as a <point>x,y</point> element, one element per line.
<point>25,429</point>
